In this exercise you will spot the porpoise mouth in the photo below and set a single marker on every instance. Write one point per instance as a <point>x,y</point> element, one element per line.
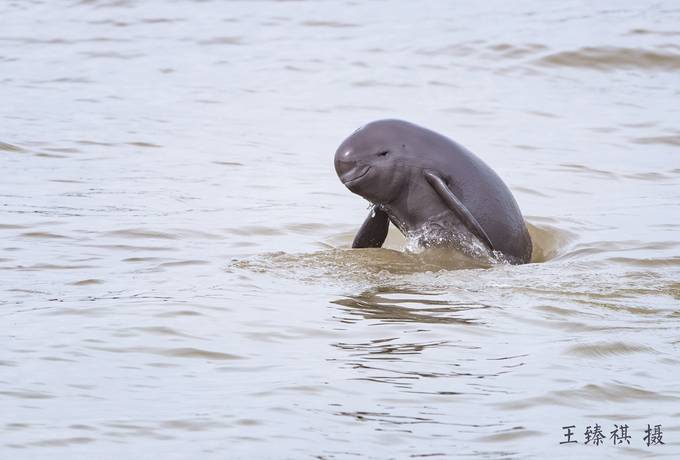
<point>356,178</point>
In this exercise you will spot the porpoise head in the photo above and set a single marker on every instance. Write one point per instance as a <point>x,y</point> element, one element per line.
<point>374,161</point>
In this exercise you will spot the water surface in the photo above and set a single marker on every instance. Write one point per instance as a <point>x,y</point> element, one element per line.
<point>174,265</point>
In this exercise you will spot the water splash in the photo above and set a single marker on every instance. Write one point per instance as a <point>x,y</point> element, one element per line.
<point>431,235</point>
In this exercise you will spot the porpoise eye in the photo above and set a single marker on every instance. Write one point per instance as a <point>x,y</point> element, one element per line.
<point>383,153</point>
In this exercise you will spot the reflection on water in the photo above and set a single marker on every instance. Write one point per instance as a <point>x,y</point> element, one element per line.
<point>175,262</point>
<point>381,304</point>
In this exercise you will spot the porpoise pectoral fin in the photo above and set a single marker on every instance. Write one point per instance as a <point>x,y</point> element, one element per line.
<point>373,231</point>
<point>458,208</point>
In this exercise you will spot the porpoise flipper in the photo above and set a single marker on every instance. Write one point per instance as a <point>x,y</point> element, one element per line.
<point>373,231</point>
<point>458,208</point>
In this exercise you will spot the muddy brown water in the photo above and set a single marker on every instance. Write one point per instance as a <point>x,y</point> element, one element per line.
<point>174,266</point>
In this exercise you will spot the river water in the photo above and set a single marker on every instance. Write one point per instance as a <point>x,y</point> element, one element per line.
<point>175,271</point>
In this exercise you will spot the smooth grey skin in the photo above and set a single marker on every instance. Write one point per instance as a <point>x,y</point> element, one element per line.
<point>417,178</point>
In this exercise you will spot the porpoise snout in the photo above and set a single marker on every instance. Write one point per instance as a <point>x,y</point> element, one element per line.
<point>344,164</point>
